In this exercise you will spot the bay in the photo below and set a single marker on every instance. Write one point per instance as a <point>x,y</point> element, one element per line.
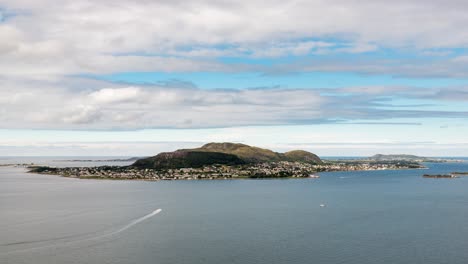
<point>368,217</point>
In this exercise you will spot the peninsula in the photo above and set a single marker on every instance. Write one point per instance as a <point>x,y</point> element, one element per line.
<point>413,158</point>
<point>223,161</point>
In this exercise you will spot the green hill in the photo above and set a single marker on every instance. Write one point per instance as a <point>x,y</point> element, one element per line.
<point>245,152</point>
<point>222,153</point>
<point>254,154</point>
<point>186,159</point>
<point>302,156</point>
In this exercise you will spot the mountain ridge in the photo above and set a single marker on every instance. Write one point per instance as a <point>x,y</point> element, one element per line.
<point>186,159</point>
<point>396,157</point>
<point>225,153</point>
<point>252,154</point>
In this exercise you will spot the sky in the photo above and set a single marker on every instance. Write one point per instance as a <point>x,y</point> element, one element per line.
<point>135,78</point>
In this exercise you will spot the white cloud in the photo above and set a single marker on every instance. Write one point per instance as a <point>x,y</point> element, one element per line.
<point>80,114</point>
<point>110,95</point>
<point>284,49</point>
<point>43,105</point>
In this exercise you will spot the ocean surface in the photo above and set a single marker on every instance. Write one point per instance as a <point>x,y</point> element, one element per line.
<point>368,217</point>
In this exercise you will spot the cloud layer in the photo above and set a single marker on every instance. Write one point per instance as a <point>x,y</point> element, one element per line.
<point>42,39</point>
<point>108,106</point>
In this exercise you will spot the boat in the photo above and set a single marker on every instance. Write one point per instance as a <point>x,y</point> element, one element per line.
<point>315,176</point>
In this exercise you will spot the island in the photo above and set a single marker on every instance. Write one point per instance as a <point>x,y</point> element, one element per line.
<point>465,173</point>
<point>446,176</point>
<point>440,176</point>
<point>224,161</point>
<point>413,158</point>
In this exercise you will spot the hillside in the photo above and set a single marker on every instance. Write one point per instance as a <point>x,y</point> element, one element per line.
<point>245,152</point>
<point>302,156</point>
<point>252,154</point>
<point>223,153</point>
<point>186,159</point>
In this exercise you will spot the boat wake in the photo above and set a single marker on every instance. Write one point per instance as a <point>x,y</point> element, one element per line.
<point>132,223</point>
<point>120,230</point>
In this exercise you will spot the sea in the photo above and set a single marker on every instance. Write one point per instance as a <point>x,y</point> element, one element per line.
<point>360,217</point>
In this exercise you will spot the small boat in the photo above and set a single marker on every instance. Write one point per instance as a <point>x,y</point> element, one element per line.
<point>314,176</point>
<point>322,205</point>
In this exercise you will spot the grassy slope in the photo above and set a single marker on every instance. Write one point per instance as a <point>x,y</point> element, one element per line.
<point>187,159</point>
<point>254,154</point>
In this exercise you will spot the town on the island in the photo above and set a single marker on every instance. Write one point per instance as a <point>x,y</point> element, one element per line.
<point>237,161</point>
<point>281,169</point>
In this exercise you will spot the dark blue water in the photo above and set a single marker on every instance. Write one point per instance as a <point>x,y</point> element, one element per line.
<point>369,217</point>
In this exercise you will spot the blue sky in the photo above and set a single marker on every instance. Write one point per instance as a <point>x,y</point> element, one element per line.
<point>306,80</point>
<point>136,78</point>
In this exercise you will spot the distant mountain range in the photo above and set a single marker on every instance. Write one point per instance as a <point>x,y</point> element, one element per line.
<point>223,153</point>
<point>411,158</point>
<point>382,157</point>
<point>100,160</point>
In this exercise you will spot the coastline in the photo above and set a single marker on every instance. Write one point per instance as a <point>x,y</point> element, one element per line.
<point>278,170</point>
